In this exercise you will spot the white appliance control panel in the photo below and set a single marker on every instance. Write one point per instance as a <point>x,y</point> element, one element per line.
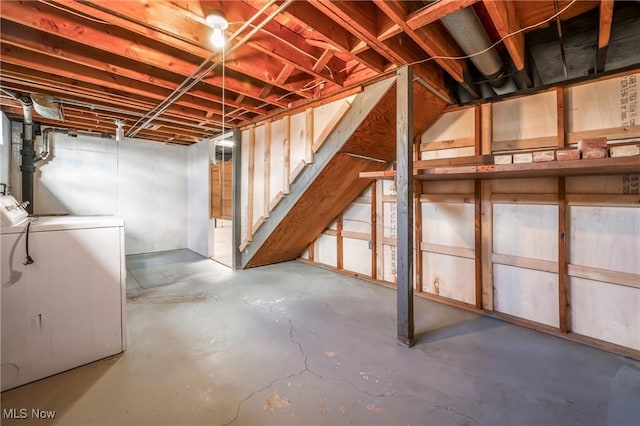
<point>11,210</point>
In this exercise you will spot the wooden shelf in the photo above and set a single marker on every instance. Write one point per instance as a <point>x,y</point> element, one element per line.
<point>601,166</point>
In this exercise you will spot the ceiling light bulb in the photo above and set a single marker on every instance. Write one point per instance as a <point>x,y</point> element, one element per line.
<point>217,38</point>
<point>219,23</point>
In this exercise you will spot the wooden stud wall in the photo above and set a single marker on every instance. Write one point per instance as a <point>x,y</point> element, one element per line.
<point>565,194</point>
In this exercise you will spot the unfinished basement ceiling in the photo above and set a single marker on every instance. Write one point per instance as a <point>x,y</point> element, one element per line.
<point>118,60</point>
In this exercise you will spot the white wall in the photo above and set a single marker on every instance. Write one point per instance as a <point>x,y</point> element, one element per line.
<point>143,182</point>
<point>5,149</point>
<point>198,197</point>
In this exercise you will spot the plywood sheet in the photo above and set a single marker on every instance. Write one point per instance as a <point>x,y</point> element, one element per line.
<point>357,218</point>
<point>298,140</point>
<point>357,256</point>
<point>526,230</point>
<point>603,104</point>
<point>468,151</point>
<point>451,126</point>
<point>526,186</point>
<point>449,276</point>
<point>448,224</point>
<point>526,117</point>
<point>448,187</point>
<point>326,250</point>
<point>605,238</point>
<point>595,184</point>
<point>605,311</point>
<point>528,294</point>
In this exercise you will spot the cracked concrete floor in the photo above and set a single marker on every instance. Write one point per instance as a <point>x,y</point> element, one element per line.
<point>293,344</point>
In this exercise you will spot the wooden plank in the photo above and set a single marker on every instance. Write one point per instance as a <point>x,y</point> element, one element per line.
<point>447,198</point>
<point>604,33</point>
<point>308,153</point>
<point>252,154</point>
<point>505,18</point>
<point>436,11</point>
<point>363,200</point>
<point>619,200</point>
<point>339,242</point>
<point>446,144</point>
<point>279,196</point>
<point>561,118</point>
<point>524,198</point>
<point>562,257</point>
<point>287,154</point>
<point>389,241</point>
<point>478,238</point>
<point>530,143</point>
<point>312,250</point>
<point>389,198</point>
<point>525,262</point>
<point>475,160</point>
<point>604,275</point>
<point>486,133</point>
<point>258,223</point>
<point>331,232</point>
<point>486,230</point>
<point>379,230</point>
<point>477,130</point>
<point>623,132</point>
<point>267,168</point>
<point>417,235</point>
<point>364,236</point>
<point>294,174</point>
<point>602,166</point>
<point>464,252</point>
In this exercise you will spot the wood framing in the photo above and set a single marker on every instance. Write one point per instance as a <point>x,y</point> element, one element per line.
<point>267,169</point>
<point>252,154</point>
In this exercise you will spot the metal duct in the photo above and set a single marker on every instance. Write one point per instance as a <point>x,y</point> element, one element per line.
<point>468,32</point>
<point>46,107</point>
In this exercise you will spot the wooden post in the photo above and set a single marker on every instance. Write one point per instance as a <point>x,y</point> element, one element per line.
<point>373,243</point>
<point>236,206</point>
<point>379,248</point>
<point>561,117</point>
<point>404,177</point>
<point>486,131</point>
<point>486,250</point>
<point>308,156</point>
<point>562,252</point>
<point>478,241</point>
<point>418,237</point>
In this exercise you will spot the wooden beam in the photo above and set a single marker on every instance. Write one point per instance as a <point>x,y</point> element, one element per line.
<point>379,247</point>
<point>287,154</point>
<point>563,302</point>
<point>486,131</point>
<point>562,134</point>
<point>478,241</point>
<point>267,169</point>
<point>604,33</point>
<point>505,18</point>
<point>404,156</point>
<point>436,11</point>
<point>339,242</point>
<point>486,231</point>
<point>373,242</point>
<point>308,143</point>
<point>251,183</point>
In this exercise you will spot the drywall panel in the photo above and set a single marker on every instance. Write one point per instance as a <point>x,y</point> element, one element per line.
<point>448,187</point>
<point>451,126</point>
<point>605,311</point>
<point>357,218</point>
<point>603,104</point>
<point>244,187</point>
<point>449,224</point>
<point>390,220</point>
<point>326,117</point>
<point>467,151</point>
<point>276,172</point>
<point>605,238</point>
<point>596,184</point>
<point>357,256</point>
<point>389,256</point>
<point>326,250</point>
<point>258,175</point>
<point>526,117</point>
<point>525,186</point>
<point>298,141</point>
<point>198,197</point>
<point>449,276</point>
<point>526,230</point>
<point>524,293</point>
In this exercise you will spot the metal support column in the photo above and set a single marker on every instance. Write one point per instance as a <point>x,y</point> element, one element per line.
<point>236,214</point>
<point>404,184</point>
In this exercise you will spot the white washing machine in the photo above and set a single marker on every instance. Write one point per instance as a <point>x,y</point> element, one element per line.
<point>66,308</point>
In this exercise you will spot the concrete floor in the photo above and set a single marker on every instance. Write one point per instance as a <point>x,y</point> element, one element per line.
<point>295,344</point>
